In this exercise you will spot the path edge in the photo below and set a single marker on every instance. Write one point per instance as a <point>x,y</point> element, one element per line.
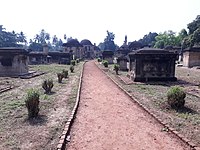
<point>134,99</point>
<point>66,132</point>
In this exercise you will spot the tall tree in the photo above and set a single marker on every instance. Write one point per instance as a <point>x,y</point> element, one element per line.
<point>21,38</point>
<point>39,40</point>
<point>194,25</point>
<point>149,39</point>
<point>8,39</point>
<point>167,38</point>
<point>109,43</point>
<point>194,33</point>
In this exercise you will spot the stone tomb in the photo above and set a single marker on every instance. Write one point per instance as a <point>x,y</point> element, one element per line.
<point>122,62</point>
<point>191,57</point>
<point>150,64</point>
<point>108,55</point>
<point>13,61</point>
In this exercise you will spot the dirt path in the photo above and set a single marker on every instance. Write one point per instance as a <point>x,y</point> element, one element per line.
<point>108,120</point>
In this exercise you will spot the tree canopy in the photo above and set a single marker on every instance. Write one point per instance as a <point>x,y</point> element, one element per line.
<point>193,37</point>
<point>11,39</point>
<point>167,38</point>
<point>108,43</point>
<point>149,39</point>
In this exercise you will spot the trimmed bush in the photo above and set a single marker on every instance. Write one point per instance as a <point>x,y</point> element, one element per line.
<point>47,85</point>
<point>176,97</point>
<point>71,68</point>
<point>32,103</point>
<point>60,77</point>
<point>77,61</point>
<point>73,62</point>
<point>65,73</point>
<point>105,63</point>
<point>116,68</point>
<point>99,59</point>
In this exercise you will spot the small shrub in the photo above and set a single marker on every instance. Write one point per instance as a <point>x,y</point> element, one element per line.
<point>99,59</point>
<point>73,62</point>
<point>32,103</point>
<point>65,73</point>
<point>60,77</point>
<point>105,63</point>
<point>116,68</point>
<point>71,68</point>
<point>47,85</point>
<point>176,97</point>
<point>77,61</point>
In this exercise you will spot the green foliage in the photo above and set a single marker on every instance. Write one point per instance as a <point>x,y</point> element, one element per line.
<point>105,63</point>
<point>11,39</point>
<point>149,39</point>
<point>135,45</point>
<point>60,77</point>
<point>99,59</point>
<point>65,73</point>
<point>194,25</point>
<point>194,33</point>
<point>176,97</point>
<point>77,61</point>
<point>73,62</point>
<point>167,38</point>
<point>32,103</point>
<point>47,85</point>
<point>71,68</point>
<point>116,68</point>
<point>108,43</point>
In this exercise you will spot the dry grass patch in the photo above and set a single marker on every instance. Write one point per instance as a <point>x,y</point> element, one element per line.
<point>154,96</point>
<point>19,132</point>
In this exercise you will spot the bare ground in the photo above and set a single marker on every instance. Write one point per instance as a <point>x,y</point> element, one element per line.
<point>16,130</point>
<point>153,95</point>
<point>108,119</point>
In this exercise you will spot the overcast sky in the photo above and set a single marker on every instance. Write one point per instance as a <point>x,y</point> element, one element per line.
<point>89,19</point>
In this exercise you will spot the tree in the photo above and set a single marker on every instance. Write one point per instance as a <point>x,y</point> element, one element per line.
<point>193,37</point>
<point>8,39</point>
<point>21,38</point>
<point>194,25</point>
<point>168,38</point>
<point>149,39</point>
<point>39,40</point>
<point>55,40</point>
<point>135,45</point>
<point>109,43</point>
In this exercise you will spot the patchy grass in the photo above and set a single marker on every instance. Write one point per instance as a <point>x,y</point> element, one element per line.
<point>16,130</point>
<point>154,96</point>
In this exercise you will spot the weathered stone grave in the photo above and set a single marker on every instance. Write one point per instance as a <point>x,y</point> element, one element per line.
<point>191,57</point>
<point>149,64</point>
<point>122,62</point>
<point>13,61</point>
<point>108,55</point>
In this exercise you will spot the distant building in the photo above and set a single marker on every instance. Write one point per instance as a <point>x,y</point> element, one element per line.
<point>88,49</point>
<point>75,48</point>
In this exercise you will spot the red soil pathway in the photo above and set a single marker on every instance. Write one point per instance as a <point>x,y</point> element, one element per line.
<point>108,120</point>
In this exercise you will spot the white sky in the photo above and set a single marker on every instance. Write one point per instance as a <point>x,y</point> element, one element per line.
<point>89,19</point>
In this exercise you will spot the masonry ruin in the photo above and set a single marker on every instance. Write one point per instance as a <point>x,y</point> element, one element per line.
<point>108,55</point>
<point>13,61</point>
<point>150,64</point>
<point>191,57</point>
